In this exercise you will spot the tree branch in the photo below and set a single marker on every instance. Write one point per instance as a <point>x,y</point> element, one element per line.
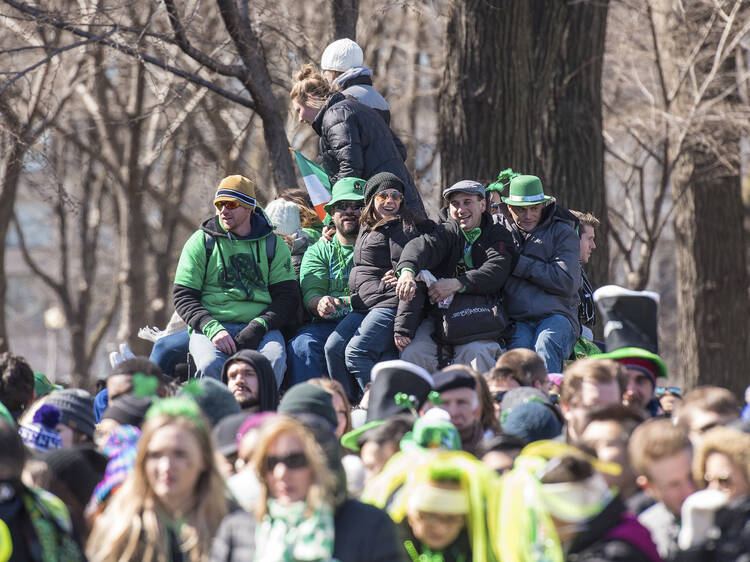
<point>45,17</point>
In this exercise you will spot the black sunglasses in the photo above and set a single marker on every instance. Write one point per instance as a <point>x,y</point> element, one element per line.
<point>344,205</point>
<point>292,461</point>
<point>498,396</point>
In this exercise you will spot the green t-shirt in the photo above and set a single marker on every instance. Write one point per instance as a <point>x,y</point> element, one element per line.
<point>234,286</point>
<point>325,270</point>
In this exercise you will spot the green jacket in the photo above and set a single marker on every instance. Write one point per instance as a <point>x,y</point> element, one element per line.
<point>237,284</point>
<point>325,270</point>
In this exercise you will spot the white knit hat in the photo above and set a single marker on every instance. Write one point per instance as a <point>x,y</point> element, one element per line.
<point>284,215</point>
<point>341,55</point>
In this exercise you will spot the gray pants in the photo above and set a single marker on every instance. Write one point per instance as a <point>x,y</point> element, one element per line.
<point>480,355</point>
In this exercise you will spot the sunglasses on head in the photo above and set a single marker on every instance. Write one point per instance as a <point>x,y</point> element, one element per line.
<point>231,205</point>
<point>344,205</point>
<point>383,195</point>
<point>291,461</point>
<point>661,390</point>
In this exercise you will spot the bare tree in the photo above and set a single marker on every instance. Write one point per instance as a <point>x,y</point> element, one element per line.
<point>29,103</point>
<point>676,117</point>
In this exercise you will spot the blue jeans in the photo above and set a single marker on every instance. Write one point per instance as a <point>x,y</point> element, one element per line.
<point>370,342</point>
<point>209,360</point>
<point>335,349</point>
<point>305,351</point>
<point>170,351</point>
<point>552,337</point>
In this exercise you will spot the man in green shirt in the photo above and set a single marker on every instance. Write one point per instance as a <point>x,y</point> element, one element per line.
<point>324,277</point>
<point>235,285</point>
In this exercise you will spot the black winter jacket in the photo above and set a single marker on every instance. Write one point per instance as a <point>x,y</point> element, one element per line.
<point>356,142</point>
<point>441,250</point>
<point>375,252</point>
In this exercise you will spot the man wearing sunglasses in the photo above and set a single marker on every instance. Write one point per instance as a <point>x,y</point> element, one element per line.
<point>324,277</point>
<point>235,285</point>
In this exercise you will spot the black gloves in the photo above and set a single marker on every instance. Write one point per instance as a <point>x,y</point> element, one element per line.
<point>250,336</point>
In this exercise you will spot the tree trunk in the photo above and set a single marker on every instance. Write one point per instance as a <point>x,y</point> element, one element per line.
<point>258,84</point>
<point>713,304</point>
<point>13,163</point>
<point>132,225</point>
<point>573,149</point>
<point>345,14</point>
<point>522,89</point>
<point>712,269</point>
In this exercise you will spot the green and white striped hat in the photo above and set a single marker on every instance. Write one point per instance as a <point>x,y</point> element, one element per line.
<point>525,191</point>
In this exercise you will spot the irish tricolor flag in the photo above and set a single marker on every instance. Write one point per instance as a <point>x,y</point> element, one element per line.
<point>316,182</point>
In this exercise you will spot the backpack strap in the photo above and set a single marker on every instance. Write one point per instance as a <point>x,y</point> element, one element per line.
<point>208,242</point>
<point>270,249</point>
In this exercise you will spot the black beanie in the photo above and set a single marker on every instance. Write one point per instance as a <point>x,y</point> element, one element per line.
<point>381,182</point>
<point>215,400</point>
<point>306,398</point>
<point>79,468</point>
<point>128,409</point>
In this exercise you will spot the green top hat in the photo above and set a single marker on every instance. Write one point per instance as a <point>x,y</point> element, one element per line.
<point>346,189</point>
<point>525,191</point>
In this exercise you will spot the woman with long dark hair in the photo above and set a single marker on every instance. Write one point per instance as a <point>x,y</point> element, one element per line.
<point>379,325</point>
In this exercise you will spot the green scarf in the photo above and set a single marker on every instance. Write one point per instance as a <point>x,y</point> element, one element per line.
<point>471,237</point>
<point>287,534</point>
<point>51,521</point>
<point>427,554</point>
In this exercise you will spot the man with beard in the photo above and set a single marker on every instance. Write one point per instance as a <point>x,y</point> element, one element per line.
<point>249,377</point>
<point>324,278</point>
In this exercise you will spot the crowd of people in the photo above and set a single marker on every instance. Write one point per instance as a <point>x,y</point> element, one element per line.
<point>378,385</point>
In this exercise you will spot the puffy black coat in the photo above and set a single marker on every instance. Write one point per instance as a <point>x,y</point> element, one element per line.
<point>375,252</point>
<point>355,141</point>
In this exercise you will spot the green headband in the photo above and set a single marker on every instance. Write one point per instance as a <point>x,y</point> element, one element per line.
<point>177,406</point>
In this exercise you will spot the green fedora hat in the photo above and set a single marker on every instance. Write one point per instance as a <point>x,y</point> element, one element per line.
<point>525,191</point>
<point>346,189</point>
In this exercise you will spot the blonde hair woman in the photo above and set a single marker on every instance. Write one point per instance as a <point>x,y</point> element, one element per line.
<point>171,505</point>
<point>722,462</point>
<point>295,513</point>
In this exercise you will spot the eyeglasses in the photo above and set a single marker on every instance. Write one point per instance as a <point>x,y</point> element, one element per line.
<point>292,461</point>
<point>344,205</point>
<point>231,205</point>
<point>495,206</point>
<point>383,195</point>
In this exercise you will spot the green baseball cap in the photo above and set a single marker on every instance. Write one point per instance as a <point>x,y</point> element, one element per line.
<point>526,191</point>
<point>346,189</point>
